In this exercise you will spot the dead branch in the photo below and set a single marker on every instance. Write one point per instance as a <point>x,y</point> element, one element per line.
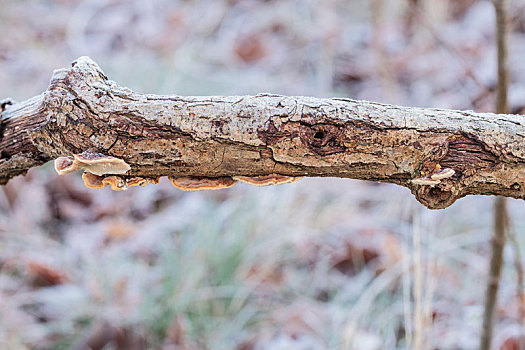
<point>441,155</point>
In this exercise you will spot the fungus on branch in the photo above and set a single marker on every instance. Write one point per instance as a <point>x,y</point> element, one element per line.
<point>93,181</point>
<point>442,174</point>
<point>65,165</point>
<point>96,166</point>
<point>435,178</point>
<point>117,183</point>
<point>266,180</point>
<point>202,183</point>
<point>140,181</point>
<point>93,162</point>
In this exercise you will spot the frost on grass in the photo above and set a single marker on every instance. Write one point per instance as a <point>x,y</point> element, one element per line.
<point>317,263</point>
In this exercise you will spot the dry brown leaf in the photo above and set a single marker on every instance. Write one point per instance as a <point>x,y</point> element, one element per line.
<point>44,276</point>
<point>103,335</point>
<point>119,230</point>
<point>250,48</point>
<point>513,343</point>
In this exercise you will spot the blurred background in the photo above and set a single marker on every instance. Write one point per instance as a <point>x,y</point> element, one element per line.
<point>317,264</point>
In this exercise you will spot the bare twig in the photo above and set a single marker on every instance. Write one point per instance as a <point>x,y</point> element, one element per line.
<point>418,283</point>
<point>496,262</point>
<point>383,65</point>
<point>518,265</point>
<point>500,205</point>
<point>452,50</point>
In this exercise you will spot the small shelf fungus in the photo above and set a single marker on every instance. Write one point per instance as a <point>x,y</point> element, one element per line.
<point>93,181</point>
<point>266,180</point>
<point>140,181</point>
<point>442,173</point>
<point>202,183</point>
<point>65,165</point>
<point>93,162</point>
<point>96,166</point>
<point>101,170</point>
<point>435,178</point>
<point>117,183</point>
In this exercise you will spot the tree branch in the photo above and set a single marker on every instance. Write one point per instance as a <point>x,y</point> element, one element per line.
<point>441,155</point>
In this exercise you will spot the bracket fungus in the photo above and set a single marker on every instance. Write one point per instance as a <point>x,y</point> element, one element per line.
<point>266,180</point>
<point>65,165</point>
<point>96,166</point>
<point>101,164</point>
<point>92,180</point>
<point>93,162</point>
<point>435,178</point>
<point>140,181</point>
<point>442,174</point>
<point>116,183</point>
<point>202,183</point>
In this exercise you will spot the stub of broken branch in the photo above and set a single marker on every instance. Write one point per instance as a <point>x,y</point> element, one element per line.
<point>121,139</point>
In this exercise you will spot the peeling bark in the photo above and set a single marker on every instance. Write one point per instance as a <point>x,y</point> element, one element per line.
<point>250,136</point>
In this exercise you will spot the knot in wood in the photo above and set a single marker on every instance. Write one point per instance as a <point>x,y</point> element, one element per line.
<point>323,139</point>
<point>435,197</point>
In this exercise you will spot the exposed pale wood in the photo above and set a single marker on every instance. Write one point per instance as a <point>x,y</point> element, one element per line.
<point>220,136</point>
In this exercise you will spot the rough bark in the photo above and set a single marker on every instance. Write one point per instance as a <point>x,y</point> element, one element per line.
<point>219,136</point>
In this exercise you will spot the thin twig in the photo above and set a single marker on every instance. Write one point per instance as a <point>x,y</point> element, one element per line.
<point>500,204</point>
<point>407,300</point>
<point>382,64</point>
<point>496,262</point>
<point>518,265</point>
<point>453,51</point>
<point>418,283</point>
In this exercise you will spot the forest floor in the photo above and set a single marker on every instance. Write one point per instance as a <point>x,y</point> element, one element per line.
<point>317,264</point>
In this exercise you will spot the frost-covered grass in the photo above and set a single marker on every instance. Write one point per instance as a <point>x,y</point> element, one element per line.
<point>322,263</point>
<point>317,264</point>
